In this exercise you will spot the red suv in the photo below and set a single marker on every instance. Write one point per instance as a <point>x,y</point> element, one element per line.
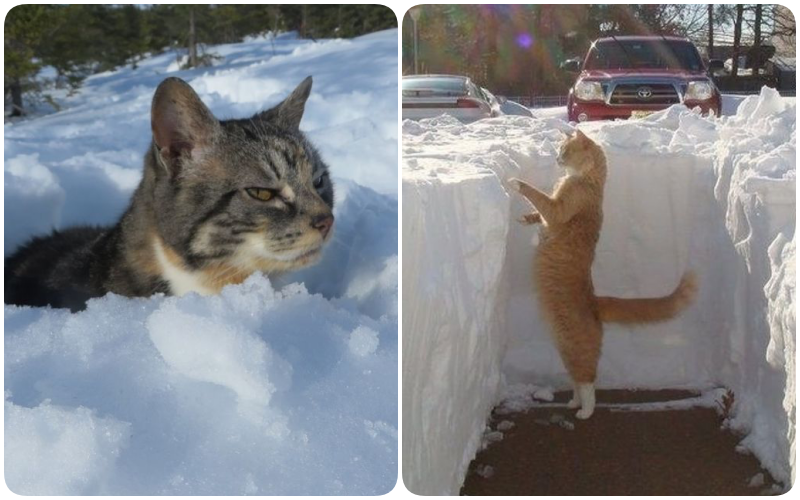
<point>635,75</point>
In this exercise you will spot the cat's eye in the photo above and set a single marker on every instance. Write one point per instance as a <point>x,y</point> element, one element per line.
<point>261,194</point>
<point>319,181</point>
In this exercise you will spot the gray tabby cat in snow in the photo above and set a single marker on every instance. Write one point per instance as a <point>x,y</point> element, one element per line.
<point>218,201</point>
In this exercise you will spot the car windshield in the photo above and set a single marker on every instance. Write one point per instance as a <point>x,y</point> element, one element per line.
<point>647,54</point>
<point>434,86</point>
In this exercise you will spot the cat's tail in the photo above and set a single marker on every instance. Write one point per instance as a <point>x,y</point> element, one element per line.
<point>616,310</point>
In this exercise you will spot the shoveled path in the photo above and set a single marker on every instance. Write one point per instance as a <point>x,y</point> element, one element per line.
<point>676,452</point>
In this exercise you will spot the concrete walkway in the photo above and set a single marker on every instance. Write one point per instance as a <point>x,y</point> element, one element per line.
<point>547,451</point>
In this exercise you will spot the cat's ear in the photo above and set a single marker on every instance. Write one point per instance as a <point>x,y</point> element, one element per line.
<point>579,134</point>
<point>289,112</point>
<point>182,124</point>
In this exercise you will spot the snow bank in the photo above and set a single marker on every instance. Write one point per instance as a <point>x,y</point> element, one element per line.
<point>453,254</point>
<point>756,168</point>
<point>730,103</point>
<point>59,449</point>
<point>781,351</point>
<point>30,188</point>
<point>283,387</point>
<point>250,391</point>
<point>683,192</point>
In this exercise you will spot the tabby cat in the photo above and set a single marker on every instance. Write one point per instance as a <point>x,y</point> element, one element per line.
<point>572,218</point>
<point>218,201</point>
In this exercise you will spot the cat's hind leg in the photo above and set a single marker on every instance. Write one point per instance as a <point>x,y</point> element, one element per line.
<point>575,402</point>
<point>586,392</point>
<point>579,345</point>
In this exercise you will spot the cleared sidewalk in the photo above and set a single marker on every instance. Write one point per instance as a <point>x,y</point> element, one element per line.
<point>548,451</point>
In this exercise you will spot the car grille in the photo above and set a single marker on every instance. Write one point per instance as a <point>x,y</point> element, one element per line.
<point>642,93</point>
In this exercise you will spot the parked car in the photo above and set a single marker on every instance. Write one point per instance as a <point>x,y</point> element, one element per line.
<point>494,102</point>
<point>626,76</point>
<point>506,107</point>
<point>426,96</point>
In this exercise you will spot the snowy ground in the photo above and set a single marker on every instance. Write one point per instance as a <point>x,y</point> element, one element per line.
<point>269,388</point>
<point>716,195</point>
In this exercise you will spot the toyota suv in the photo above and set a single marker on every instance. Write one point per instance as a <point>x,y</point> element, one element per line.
<point>624,76</point>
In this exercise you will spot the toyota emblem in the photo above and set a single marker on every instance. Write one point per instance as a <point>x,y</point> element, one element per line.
<point>644,92</point>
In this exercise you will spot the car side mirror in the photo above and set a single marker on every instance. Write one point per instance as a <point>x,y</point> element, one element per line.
<point>501,99</point>
<point>571,65</point>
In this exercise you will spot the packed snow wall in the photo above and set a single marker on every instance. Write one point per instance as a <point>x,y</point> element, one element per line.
<point>684,192</point>
<point>755,163</point>
<point>453,259</point>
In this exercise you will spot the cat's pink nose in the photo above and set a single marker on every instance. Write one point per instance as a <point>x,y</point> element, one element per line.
<point>323,223</point>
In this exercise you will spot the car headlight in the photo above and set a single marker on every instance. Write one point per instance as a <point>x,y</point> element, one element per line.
<point>699,91</point>
<point>589,91</point>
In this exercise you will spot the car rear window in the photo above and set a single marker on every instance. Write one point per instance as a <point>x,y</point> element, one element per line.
<point>434,86</point>
<point>644,54</point>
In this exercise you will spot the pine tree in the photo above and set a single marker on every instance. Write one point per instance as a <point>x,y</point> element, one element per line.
<point>131,34</point>
<point>68,47</point>
<point>80,39</point>
<point>26,26</point>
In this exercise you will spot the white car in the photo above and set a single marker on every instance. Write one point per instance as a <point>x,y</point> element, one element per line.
<point>505,107</point>
<point>426,96</point>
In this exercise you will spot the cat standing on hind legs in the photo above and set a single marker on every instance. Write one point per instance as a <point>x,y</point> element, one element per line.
<point>572,217</point>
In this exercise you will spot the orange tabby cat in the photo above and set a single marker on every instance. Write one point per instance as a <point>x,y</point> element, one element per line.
<point>572,217</point>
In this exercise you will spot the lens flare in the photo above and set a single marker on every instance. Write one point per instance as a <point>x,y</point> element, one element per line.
<point>524,40</point>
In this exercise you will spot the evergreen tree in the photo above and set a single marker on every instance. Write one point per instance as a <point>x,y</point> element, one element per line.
<point>78,40</point>
<point>26,27</point>
<point>69,48</point>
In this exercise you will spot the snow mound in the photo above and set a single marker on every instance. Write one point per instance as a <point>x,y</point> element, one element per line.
<point>685,192</point>
<point>60,449</point>
<point>30,188</point>
<point>274,387</point>
<point>363,341</point>
<point>222,352</point>
<point>253,386</point>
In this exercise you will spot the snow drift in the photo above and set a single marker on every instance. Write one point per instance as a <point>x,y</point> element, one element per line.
<point>282,387</point>
<point>453,256</point>
<point>683,192</point>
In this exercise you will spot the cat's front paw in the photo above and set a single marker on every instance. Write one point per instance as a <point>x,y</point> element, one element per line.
<point>516,184</point>
<point>584,413</point>
<point>529,219</point>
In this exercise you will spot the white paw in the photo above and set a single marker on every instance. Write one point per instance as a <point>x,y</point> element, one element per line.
<point>574,403</point>
<point>515,183</point>
<point>584,413</point>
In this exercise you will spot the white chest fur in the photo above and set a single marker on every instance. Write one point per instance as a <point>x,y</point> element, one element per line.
<point>180,280</point>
